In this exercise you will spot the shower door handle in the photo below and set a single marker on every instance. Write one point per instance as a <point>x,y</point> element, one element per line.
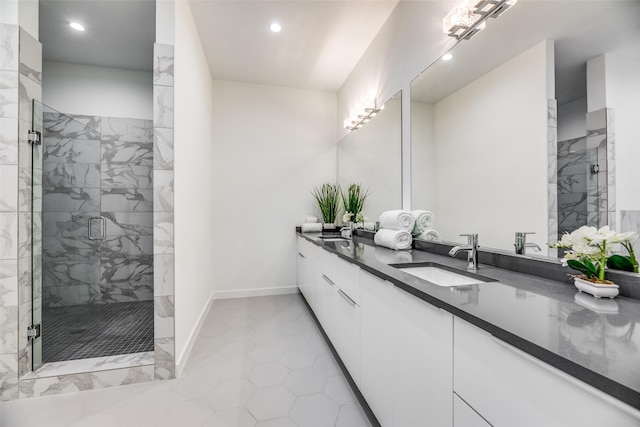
<point>103,227</point>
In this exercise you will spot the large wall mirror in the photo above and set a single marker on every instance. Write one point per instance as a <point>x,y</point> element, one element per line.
<point>532,126</point>
<point>371,156</point>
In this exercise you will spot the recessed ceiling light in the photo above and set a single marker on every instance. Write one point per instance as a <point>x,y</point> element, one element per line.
<point>76,26</point>
<point>275,27</point>
<point>447,57</point>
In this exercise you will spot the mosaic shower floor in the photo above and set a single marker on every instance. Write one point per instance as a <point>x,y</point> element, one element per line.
<point>86,331</point>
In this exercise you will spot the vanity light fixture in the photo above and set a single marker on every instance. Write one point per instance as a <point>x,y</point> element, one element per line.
<point>364,114</point>
<point>76,26</point>
<point>275,27</point>
<point>463,22</point>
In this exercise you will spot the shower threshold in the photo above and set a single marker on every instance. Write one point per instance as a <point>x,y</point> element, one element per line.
<point>95,364</point>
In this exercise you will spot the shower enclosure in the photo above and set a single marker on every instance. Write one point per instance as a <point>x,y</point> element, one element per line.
<point>92,235</point>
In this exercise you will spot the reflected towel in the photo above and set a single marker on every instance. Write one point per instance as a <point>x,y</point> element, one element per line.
<point>397,220</point>
<point>311,227</point>
<point>424,221</point>
<point>398,257</point>
<point>432,235</point>
<point>311,219</point>
<point>393,239</point>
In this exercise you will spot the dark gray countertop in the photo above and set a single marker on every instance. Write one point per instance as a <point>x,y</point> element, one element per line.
<point>591,339</point>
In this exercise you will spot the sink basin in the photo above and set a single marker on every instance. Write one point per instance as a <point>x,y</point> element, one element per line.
<point>333,238</point>
<point>442,275</point>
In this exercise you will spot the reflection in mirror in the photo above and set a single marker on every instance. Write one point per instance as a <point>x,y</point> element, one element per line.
<point>371,156</point>
<point>517,133</point>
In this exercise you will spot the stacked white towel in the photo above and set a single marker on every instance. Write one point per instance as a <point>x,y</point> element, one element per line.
<point>311,219</point>
<point>397,220</point>
<point>432,235</point>
<point>393,239</point>
<point>311,227</point>
<point>388,257</point>
<point>424,221</point>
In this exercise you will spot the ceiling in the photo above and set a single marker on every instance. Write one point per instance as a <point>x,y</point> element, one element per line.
<point>320,42</point>
<point>581,31</point>
<point>119,34</point>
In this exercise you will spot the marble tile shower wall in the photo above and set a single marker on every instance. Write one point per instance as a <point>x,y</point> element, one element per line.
<point>552,173</point>
<point>601,198</point>
<point>20,83</point>
<point>572,184</point>
<point>97,166</point>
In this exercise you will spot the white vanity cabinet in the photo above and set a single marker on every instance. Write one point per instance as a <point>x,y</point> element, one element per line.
<point>306,262</point>
<point>465,416</point>
<point>511,388</point>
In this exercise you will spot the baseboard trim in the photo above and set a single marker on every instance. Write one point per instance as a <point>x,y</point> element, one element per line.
<point>182,360</point>
<point>244,293</point>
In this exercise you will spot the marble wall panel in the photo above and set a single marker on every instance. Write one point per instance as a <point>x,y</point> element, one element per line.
<point>74,127</point>
<point>163,194</point>
<point>66,224</point>
<point>163,233</point>
<point>71,199</point>
<point>162,106</point>
<point>30,57</point>
<point>125,152</point>
<point>131,130</point>
<point>129,223</point>
<point>8,235</point>
<point>8,94</point>
<point>58,174</point>
<point>68,150</point>
<point>58,296</point>
<point>164,312</point>
<point>9,48</point>
<point>71,273</point>
<point>8,188</point>
<point>163,149</point>
<point>8,141</point>
<point>127,200</point>
<point>164,353</point>
<point>8,376</point>
<point>163,65</point>
<point>9,283</point>
<point>9,330</point>
<point>126,176</point>
<point>164,275</point>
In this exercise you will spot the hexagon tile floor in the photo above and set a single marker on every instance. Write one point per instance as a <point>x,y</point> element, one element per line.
<point>257,362</point>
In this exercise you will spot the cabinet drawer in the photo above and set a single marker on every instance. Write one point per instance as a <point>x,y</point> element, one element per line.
<point>465,416</point>
<point>343,273</point>
<point>511,388</point>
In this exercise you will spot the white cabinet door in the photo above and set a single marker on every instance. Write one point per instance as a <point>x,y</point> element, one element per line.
<point>305,275</point>
<point>346,333</point>
<point>377,312</point>
<point>423,363</point>
<point>465,416</point>
<point>511,388</point>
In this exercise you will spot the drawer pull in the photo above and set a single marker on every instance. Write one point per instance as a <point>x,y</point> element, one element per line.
<point>346,298</point>
<point>329,281</point>
<point>300,255</point>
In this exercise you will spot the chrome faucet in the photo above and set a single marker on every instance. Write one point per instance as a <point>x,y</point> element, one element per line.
<point>347,232</point>
<point>472,251</point>
<point>522,245</point>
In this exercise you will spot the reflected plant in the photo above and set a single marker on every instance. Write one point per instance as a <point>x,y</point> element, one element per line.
<point>353,203</point>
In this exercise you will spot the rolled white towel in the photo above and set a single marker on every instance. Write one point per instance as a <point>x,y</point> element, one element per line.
<point>369,226</point>
<point>387,257</point>
<point>311,227</point>
<point>432,235</point>
<point>397,220</point>
<point>424,221</point>
<point>311,219</point>
<point>393,239</point>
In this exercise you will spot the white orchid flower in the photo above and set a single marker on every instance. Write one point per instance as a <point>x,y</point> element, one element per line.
<point>629,236</point>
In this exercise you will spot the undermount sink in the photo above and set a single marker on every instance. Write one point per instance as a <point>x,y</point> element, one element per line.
<point>333,238</point>
<point>442,275</point>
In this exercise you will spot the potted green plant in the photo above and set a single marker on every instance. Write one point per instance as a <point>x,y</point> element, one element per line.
<point>353,203</point>
<point>328,199</point>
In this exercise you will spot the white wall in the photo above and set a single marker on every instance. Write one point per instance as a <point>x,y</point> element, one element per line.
<point>271,146</point>
<point>97,91</point>
<point>485,164</point>
<point>572,119</point>
<point>194,178</point>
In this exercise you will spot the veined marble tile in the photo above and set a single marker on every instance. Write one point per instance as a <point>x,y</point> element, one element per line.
<point>58,296</point>
<point>24,279</point>
<point>126,176</point>
<point>127,245</point>
<point>60,249</point>
<point>71,199</point>
<point>163,190</point>
<point>572,146</point>
<point>130,270</point>
<point>162,148</point>
<point>552,170</point>
<point>85,381</point>
<point>9,94</point>
<point>126,292</point>
<point>71,150</point>
<point>163,275</point>
<point>131,130</point>
<point>67,367</point>
<point>71,273</point>
<point>162,64</point>
<point>129,223</point>
<point>8,282</point>
<point>9,330</point>
<point>127,200</point>
<point>28,154</point>
<point>572,164</point>
<point>125,152</point>
<point>25,358</point>
<point>75,127</point>
<point>552,141</point>
<point>8,188</point>
<point>8,141</point>
<point>162,232</point>
<point>28,90</point>
<point>163,106</point>
<point>57,174</point>
<point>8,375</point>
<point>552,113</point>
<point>164,313</point>
<point>8,235</point>
<point>9,47</point>
<point>552,192</point>
<point>67,224</point>
<point>572,183</point>
<point>30,57</point>
<point>164,352</point>
<point>611,199</point>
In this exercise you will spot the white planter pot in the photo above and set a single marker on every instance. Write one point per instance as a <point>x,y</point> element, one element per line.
<point>596,289</point>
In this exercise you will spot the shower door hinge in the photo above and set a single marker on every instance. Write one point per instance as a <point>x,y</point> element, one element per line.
<point>33,332</point>
<point>35,137</point>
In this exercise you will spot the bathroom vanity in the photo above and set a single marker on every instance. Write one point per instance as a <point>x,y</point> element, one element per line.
<point>508,350</point>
